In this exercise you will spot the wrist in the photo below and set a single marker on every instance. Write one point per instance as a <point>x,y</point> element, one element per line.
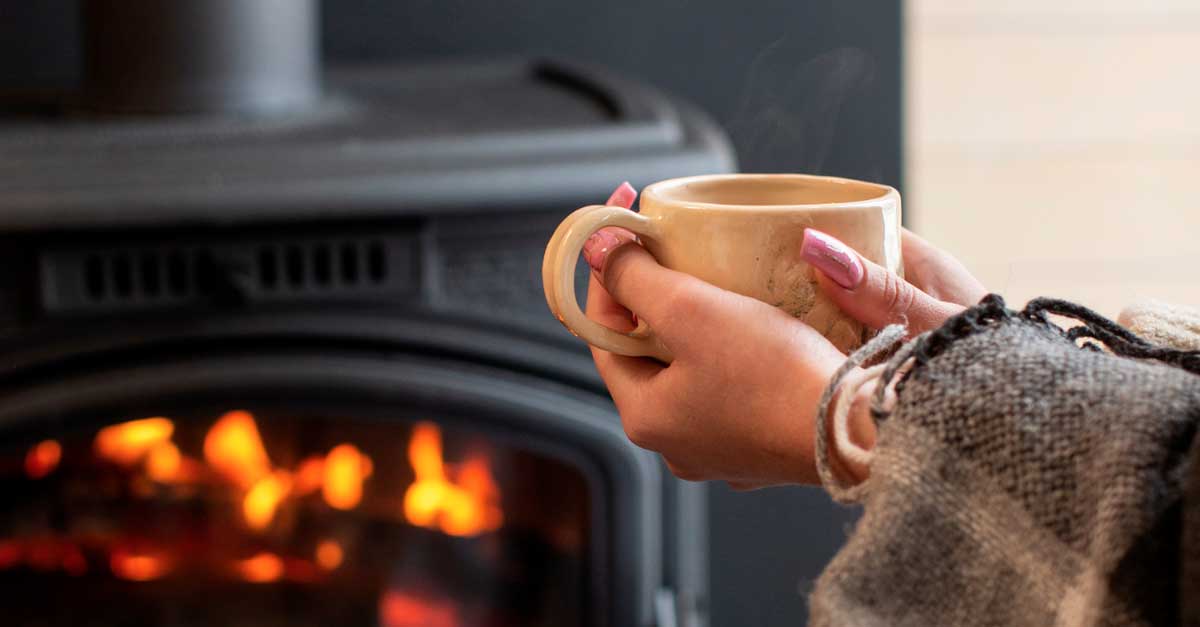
<point>851,441</point>
<point>861,429</point>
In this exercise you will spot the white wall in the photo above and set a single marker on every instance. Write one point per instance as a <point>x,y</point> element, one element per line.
<point>1054,146</point>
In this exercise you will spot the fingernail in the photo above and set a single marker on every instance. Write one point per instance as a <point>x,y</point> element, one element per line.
<point>597,247</point>
<point>832,257</point>
<point>623,196</point>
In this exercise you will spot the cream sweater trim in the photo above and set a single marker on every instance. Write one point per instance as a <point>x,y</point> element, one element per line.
<point>1173,326</point>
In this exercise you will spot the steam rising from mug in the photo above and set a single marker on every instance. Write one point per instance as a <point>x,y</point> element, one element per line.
<point>778,119</point>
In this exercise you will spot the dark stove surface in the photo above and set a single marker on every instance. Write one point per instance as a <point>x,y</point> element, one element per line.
<point>384,141</point>
<point>386,243</point>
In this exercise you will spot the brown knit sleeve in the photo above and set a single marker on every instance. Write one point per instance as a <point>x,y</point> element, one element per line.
<point>1189,552</point>
<point>1021,479</point>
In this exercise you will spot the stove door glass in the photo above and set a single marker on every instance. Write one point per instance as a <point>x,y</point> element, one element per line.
<point>274,516</point>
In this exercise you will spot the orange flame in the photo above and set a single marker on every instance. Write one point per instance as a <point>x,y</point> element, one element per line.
<point>467,507</point>
<point>138,567</point>
<point>330,554</point>
<point>475,477</point>
<point>262,568</point>
<point>44,553</point>
<point>164,462</point>
<point>42,458</point>
<point>126,443</point>
<point>310,475</point>
<point>399,609</point>
<point>345,470</point>
<point>234,447</point>
<point>478,510</point>
<point>264,497</point>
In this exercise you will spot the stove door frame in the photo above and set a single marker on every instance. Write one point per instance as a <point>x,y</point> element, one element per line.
<point>239,355</point>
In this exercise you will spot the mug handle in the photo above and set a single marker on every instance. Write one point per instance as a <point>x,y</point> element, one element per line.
<point>558,280</point>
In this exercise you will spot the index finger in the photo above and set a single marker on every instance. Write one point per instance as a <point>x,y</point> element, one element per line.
<point>620,373</point>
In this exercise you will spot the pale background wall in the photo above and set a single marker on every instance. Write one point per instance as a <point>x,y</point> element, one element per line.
<point>1054,145</point>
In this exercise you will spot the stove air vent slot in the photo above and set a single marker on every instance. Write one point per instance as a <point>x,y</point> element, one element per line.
<point>141,276</point>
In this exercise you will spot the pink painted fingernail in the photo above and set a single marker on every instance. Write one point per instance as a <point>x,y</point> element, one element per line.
<point>597,247</point>
<point>832,257</point>
<point>623,196</point>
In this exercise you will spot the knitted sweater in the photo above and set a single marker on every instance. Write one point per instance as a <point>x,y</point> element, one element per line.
<point>1023,475</point>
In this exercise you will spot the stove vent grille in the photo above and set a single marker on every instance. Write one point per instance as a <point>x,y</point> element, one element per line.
<point>148,276</point>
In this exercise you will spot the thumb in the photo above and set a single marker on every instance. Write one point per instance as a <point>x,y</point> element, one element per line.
<point>868,292</point>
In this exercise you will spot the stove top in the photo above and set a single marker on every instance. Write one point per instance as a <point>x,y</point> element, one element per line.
<point>444,137</point>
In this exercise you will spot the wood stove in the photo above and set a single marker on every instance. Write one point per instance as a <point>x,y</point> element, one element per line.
<point>273,350</point>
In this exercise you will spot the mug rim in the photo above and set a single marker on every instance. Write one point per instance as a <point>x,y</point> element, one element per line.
<point>657,192</point>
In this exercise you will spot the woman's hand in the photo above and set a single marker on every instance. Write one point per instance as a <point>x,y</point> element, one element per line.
<point>738,402</point>
<point>935,285</point>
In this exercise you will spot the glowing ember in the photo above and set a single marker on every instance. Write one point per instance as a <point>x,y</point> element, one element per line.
<point>164,462</point>
<point>425,451</point>
<point>310,476</point>
<point>329,554</point>
<point>468,507</point>
<point>126,443</point>
<point>345,470</point>
<point>42,554</point>
<point>10,554</point>
<point>138,567</point>
<point>400,609</point>
<point>260,503</point>
<point>45,554</point>
<point>472,510</point>
<point>73,561</point>
<point>235,449</point>
<point>42,459</point>
<point>474,476</point>
<point>460,499</point>
<point>262,568</point>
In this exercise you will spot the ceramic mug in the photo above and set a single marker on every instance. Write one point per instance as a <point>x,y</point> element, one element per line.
<point>740,232</point>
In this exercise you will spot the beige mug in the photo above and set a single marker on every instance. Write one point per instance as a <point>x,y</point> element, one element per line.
<point>740,232</point>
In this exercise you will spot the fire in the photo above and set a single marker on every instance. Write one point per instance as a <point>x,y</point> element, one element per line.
<point>467,507</point>
<point>264,497</point>
<point>262,568</point>
<point>164,462</point>
<point>126,443</point>
<point>330,554</point>
<point>460,499</point>
<point>400,609</point>
<point>473,510</point>
<point>310,475</point>
<point>235,449</point>
<point>42,458</point>
<point>476,478</point>
<point>345,470</point>
<point>138,567</point>
<point>45,553</point>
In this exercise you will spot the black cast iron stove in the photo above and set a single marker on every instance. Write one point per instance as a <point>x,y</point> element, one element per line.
<point>273,349</point>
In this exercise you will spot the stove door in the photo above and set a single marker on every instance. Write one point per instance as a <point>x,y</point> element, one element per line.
<point>310,490</point>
